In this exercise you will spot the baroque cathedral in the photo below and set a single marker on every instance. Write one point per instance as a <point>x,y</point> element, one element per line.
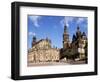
<point>75,50</point>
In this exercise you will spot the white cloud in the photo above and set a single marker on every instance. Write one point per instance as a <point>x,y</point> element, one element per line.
<point>69,19</point>
<point>67,25</point>
<point>35,20</point>
<point>32,34</point>
<point>66,21</point>
<point>81,20</point>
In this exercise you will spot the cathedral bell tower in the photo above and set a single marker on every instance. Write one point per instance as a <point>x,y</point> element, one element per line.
<point>65,36</point>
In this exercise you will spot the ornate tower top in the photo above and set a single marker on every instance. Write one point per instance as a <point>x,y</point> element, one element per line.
<point>84,36</point>
<point>78,32</point>
<point>65,26</point>
<point>34,40</point>
<point>78,28</point>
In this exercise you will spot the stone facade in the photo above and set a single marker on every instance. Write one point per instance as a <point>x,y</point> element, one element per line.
<point>43,52</point>
<point>77,48</point>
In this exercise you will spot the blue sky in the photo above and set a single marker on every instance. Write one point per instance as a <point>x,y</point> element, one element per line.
<point>53,27</point>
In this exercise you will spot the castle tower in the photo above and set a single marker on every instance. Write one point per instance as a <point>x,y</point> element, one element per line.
<point>34,40</point>
<point>78,32</point>
<point>65,36</point>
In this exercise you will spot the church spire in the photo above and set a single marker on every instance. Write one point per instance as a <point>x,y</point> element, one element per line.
<point>78,32</point>
<point>65,36</point>
<point>65,26</point>
<point>64,21</point>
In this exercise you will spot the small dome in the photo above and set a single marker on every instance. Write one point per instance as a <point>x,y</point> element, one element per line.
<point>83,34</point>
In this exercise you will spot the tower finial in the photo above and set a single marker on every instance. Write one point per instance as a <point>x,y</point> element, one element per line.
<point>78,28</point>
<point>64,21</point>
<point>65,26</point>
<point>34,40</point>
